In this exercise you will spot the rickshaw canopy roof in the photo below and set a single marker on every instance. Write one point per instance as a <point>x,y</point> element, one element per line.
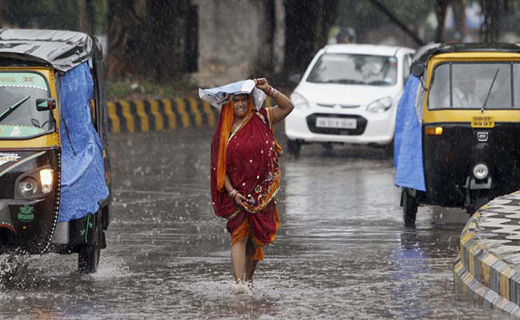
<point>62,50</point>
<point>423,54</point>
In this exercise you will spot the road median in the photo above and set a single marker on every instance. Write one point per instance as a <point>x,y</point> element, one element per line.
<point>487,270</point>
<point>161,114</point>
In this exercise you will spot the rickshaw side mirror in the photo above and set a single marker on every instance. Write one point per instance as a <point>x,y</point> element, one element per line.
<point>418,70</point>
<point>45,104</point>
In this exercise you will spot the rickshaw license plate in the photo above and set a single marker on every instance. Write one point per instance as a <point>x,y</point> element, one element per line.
<point>483,122</point>
<point>342,123</point>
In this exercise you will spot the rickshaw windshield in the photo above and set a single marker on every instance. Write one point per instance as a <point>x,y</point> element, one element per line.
<point>19,117</point>
<point>355,69</point>
<point>467,85</point>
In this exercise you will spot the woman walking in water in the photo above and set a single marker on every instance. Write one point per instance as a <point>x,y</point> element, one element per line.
<point>245,172</point>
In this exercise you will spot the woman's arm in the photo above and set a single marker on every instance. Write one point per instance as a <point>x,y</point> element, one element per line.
<point>233,193</point>
<point>285,106</point>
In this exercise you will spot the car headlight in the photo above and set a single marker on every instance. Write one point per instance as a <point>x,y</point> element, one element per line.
<point>46,180</point>
<point>380,105</point>
<point>299,101</point>
<point>28,186</point>
<point>480,171</point>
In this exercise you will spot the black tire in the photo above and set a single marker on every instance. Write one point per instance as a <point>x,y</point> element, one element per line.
<point>89,254</point>
<point>410,206</point>
<point>88,258</point>
<point>294,147</point>
<point>389,149</point>
<point>327,148</point>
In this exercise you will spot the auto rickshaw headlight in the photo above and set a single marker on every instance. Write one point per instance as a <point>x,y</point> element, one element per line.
<point>28,186</point>
<point>480,171</point>
<point>380,105</point>
<point>46,180</point>
<point>434,131</point>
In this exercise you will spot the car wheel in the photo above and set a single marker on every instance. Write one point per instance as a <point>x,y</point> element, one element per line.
<point>410,205</point>
<point>327,148</point>
<point>294,147</point>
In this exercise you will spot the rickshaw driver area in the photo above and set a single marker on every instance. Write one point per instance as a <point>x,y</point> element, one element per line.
<point>20,113</point>
<point>471,84</point>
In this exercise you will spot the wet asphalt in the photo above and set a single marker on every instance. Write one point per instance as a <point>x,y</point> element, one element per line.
<point>342,251</point>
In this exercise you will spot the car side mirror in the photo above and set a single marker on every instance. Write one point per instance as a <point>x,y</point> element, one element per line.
<point>45,104</point>
<point>417,70</point>
<point>295,78</point>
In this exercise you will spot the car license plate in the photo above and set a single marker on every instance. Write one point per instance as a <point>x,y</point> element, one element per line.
<point>340,123</point>
<point>483,122</point>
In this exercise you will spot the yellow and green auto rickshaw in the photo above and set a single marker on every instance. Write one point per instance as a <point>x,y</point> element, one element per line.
<point>54,165</point>
<point>458,124</point>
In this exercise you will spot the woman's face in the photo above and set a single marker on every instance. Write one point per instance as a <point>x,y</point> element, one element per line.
<point>240,103</point>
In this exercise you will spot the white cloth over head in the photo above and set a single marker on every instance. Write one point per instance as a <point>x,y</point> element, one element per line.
<point>219,96</point>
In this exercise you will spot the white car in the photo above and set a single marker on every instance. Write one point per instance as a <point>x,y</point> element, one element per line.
<point>348,94</point>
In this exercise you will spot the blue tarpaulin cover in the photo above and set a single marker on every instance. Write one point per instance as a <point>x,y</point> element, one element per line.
<point>408,140</point>
<point>82,168</point>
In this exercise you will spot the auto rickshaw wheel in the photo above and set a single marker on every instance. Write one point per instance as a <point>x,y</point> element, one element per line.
<point>410,206</point>
<point>89,255</point>
<point>294,147</point>
<point>88,258</point>
<point>389,149</point>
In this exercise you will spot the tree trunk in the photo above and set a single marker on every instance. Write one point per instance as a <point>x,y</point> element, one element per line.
<point>126,32</point>
<point>3,13</point>
<point>168,31</point>
<point>491,25</point>
<point>307,24</point>
<point>463,21</point>
<point>441,7</point>
<point>86,16</point>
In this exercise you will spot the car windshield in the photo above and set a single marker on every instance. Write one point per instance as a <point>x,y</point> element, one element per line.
<point>355,69</point>
<point>18,115</point>
<point>467,85</point>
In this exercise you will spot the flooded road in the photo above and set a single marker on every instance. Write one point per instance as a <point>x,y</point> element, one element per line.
<point>341,252</point>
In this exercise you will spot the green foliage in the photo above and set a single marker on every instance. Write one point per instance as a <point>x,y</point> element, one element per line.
<point>48,14</point>
<point>100,14</point>
<point>52,14</point>
<point>363,15</point>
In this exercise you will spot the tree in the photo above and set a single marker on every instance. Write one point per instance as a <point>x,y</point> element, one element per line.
<point>365,16</point>
<point>86,16</point>
<point>307,25</point>
<point>386,11</point>
<point>148,39</point>
<point>167,30</point>
<point>494,12</point>
<point>50,14</point>
<point>441,7</point>
<point>125,28</point>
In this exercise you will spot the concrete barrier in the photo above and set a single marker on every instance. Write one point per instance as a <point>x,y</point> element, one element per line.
<point>488,267</point>
<point>161,114</point>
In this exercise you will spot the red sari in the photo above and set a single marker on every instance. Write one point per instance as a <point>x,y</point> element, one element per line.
<point>251,163</point>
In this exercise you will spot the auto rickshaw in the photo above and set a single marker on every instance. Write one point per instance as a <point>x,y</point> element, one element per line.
<point>458,123</point>
<point>54,165</point>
